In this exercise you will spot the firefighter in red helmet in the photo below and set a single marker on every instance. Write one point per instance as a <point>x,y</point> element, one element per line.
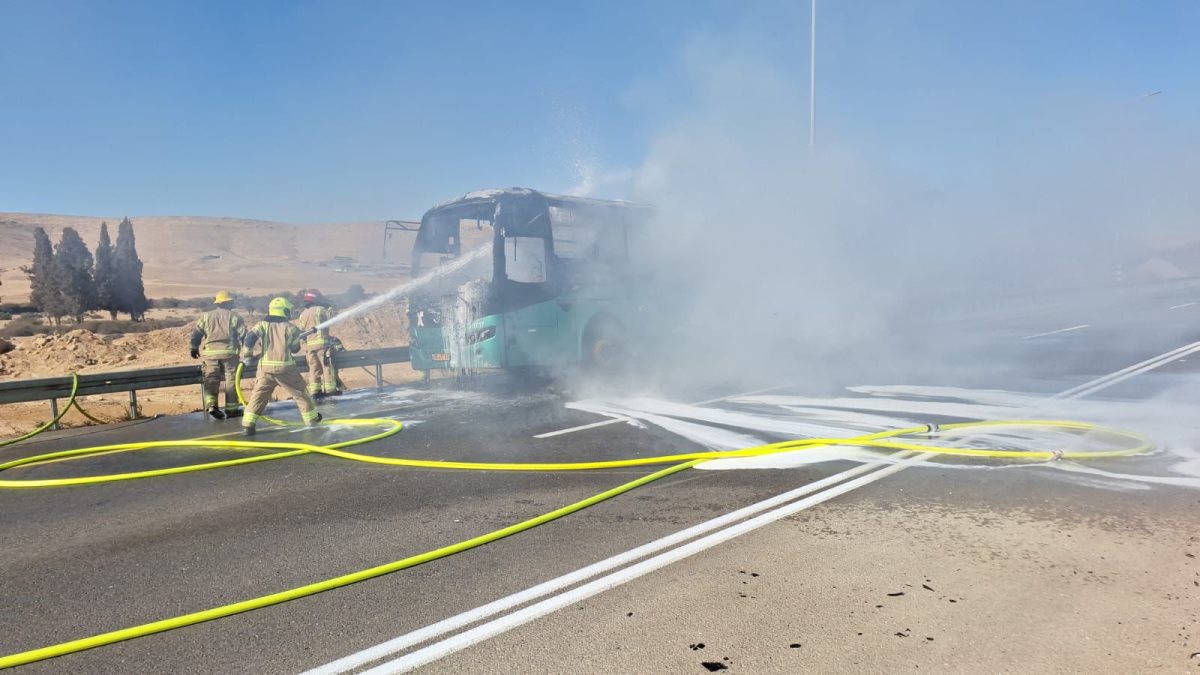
<point>319,345</point>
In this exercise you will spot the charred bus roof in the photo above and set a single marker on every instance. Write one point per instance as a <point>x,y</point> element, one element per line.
<point>480,197</point>
<point>521,211</point>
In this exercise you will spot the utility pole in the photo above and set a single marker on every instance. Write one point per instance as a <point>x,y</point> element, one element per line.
<point>812,81</point>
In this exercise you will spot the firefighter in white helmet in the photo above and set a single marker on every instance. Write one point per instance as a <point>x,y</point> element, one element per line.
<point>278,340</point>
<point>216,339</point>
<point>319,345</point>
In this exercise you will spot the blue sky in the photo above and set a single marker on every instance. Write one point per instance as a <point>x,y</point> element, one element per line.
<point>319,111</point>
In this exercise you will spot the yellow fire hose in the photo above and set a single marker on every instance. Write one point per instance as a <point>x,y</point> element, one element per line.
<point>52,422</point>
<point>882,440</point>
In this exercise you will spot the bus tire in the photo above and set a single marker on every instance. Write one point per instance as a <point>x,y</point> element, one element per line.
<point>605,346</point>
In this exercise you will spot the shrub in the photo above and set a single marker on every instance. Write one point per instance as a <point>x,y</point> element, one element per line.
<point>17,308</point>
<point>109,327</point>
<point>29,326</point>
<point>24,326</point>
<point>181,303</point>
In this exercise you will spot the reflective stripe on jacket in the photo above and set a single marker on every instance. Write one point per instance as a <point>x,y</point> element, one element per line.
<point>279,339</point>
<point>310,318</point>
<point>221,333</point>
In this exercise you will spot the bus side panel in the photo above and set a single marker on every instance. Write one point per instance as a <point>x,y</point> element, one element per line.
<point>533,336</point>
<point>484,344</point>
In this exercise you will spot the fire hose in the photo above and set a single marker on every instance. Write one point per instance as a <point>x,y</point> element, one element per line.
<point>896,439</point>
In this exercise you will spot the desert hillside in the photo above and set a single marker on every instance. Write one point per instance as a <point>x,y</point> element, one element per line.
<point>189,256</point>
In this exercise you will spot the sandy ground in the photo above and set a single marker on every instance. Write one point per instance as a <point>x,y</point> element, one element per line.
<point>186,256</point>
<point>190,256</point>
<point>870,588</point>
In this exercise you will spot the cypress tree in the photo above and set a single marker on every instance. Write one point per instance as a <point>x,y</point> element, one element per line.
<point>44,294</point>
<point>106,292</point>
<point>72,273</point>
<point>127,267</point>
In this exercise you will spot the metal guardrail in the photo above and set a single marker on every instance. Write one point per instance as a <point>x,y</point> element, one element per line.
<point>53,388</point>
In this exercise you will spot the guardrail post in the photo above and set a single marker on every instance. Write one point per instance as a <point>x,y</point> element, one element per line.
<point>54,414</point>
<point>133,407</point>
<point>379,376</point>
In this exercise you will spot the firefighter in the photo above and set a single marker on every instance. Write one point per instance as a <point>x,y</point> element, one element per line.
<point>217,338</point>
<point>279,339</point>
<point>319,346</point>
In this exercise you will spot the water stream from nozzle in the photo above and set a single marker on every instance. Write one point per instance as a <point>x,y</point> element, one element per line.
<point>407,288</point>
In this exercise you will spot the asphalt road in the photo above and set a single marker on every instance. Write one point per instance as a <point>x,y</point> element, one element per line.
<point>78,561</point>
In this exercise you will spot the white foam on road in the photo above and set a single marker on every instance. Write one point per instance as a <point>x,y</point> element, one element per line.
<point>746,421</point>
<point>714,438</point>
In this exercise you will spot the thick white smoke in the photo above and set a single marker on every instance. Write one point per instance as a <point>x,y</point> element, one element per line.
<point>793,262</point>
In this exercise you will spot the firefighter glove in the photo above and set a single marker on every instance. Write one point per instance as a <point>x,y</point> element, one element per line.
<point>195,353</point>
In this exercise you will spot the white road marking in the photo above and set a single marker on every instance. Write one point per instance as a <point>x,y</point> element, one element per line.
<point>584,427</point>
<point>583,574</point>
<point>617,420</point>
<point>1125,373</point>
<point>505,623</point>
<point>1186,304</point>
<point>495,627</point>
<point>1060,330</point>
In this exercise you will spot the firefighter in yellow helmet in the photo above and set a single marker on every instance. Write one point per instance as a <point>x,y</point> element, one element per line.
<point>216,339</point>
<point>278,339</point>
<point>319,345</point>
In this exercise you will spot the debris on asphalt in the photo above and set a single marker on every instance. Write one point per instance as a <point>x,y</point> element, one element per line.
<point>696,647</point>
<point>896,594</point>
<point>714,666</point>
<point>926,587</point>
<point>795,645</point>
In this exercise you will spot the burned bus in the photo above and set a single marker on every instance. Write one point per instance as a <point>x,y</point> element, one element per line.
<point>523,279</point>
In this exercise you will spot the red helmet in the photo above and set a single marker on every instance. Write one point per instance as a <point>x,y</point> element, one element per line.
<point>312,295</point>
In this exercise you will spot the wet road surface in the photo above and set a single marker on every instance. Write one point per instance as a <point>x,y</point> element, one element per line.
<point>82,560</point>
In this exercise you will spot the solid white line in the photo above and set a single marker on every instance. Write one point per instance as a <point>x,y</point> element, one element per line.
<point>617,420</point>
<point>583,427</point>
<point>1186,304</point>
<point>583,574</point>
<point>500,625</point>
<point>1125,373</point>
<point>1056,332</point>
<point>509,621</point>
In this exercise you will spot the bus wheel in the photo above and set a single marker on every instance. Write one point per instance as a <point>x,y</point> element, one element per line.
<point>604,346</point>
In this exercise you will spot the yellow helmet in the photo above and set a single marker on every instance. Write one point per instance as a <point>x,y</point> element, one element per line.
<point>223,296</point>
<point>280,307</point>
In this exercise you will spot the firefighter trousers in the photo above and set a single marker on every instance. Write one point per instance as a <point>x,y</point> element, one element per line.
<point>290,381</point>
<point>322,374</point>
<point>214,372</point>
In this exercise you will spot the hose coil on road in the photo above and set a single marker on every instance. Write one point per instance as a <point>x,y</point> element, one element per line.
<point>897,439</point>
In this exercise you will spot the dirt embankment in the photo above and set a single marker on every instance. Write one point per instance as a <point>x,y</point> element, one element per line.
<point>189,256</point>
